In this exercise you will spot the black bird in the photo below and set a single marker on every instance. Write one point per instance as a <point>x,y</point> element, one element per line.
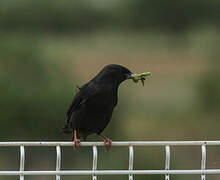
<point>92,106</point>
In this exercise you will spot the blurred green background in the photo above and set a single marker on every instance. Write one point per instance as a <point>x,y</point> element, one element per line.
<point>47,48</point>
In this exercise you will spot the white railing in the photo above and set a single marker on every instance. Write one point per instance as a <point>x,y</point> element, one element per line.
<point>130,172</point>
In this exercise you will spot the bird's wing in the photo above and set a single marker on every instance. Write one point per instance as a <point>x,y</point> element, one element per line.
<point>77,100</point>
<point>80,98</point>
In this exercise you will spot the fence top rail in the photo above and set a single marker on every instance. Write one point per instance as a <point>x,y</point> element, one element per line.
<point>109,172</point>
<point>115,143</point>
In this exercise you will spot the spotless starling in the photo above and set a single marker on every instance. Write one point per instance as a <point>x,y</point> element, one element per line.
<point>92,106</point>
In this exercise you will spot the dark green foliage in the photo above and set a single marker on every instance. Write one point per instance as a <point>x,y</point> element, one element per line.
<point>32,90</point>
<point>55,16</point>
<point>209,92</point>
<point>83,16</point>
<point>173,15</point>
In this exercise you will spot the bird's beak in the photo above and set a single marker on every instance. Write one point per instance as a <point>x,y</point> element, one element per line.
<point>129,76</point>
<point>141,76</point>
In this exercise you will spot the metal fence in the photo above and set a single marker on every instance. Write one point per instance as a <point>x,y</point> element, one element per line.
<point>130,172</point>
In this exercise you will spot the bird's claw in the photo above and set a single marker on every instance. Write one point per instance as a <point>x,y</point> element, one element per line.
<point>76,144</point>
<point>108,144</point>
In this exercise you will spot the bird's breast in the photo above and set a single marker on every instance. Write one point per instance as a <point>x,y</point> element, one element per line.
<point>103,101</point>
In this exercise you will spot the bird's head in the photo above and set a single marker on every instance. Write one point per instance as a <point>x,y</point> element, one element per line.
<point>115,74</point>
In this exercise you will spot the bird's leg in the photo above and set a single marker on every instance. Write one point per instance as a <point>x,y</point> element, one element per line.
<point>107,141</point>
<point>76,141</point>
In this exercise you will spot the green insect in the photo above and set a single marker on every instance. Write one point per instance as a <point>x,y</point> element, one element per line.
<point>141,76</point>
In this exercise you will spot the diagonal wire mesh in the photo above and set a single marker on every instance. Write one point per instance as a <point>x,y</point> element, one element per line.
<point>130,172</point>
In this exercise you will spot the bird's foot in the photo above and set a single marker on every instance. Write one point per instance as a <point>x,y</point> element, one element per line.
<point>76,141</point>
<point>107,141</point>
<point>76,144</point>
<point>108,144</point>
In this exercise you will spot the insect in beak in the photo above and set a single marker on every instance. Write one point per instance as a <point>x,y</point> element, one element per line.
<point>141,76</point>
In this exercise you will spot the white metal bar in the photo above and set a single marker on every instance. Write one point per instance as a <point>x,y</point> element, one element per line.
<point>116,143</point>
<point>167,161</point>
<point>22,161</point>
<point>94,164</point>
<point>203,162</point>
<point>111,172</point>
<point>131,161</point>
<point>58,163</point>
<point>94,172</point>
